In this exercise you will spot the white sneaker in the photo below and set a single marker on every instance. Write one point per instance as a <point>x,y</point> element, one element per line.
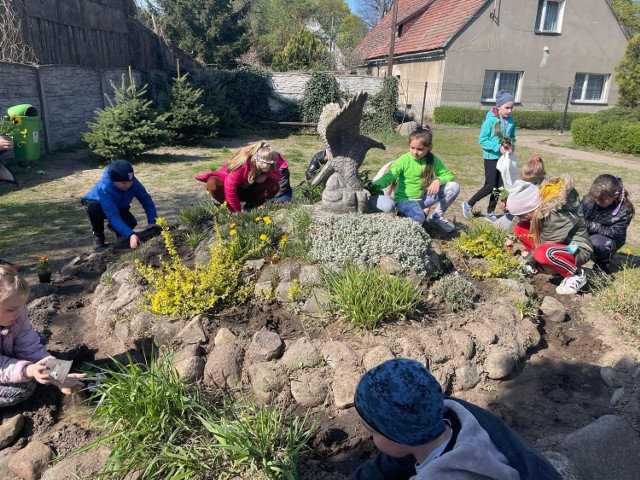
<point>442,223</point>
<point>466,210</point>
<point>572,285</point>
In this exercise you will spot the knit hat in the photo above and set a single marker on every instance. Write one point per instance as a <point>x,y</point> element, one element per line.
<point>504,96</point>
<point>401,400</point>
<point>120,171</point>
<point>524,197</point>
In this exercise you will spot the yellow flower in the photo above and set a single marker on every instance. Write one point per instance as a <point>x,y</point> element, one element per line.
<point>232,225</point>
<point>43,259</point>
<point>24,133</point>
<point>15,119</point>
<point>629,252</point>
<point>267,220</point>
<point>258,219</point>
<point>233,232</point>
<point>264,237</point>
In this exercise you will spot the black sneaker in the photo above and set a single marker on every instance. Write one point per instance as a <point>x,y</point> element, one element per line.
<point>99,245</point>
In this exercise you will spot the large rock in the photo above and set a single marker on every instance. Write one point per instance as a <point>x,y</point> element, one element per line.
<point>165,330</point>
<point>309,387</point>
<point>10,429</point>
<point>268,380</point>
<point>192,333</point>
<point>605,449</point>
<point>499,363</point>
<point>309,275</point>
<point>552,310</point>
<point>316,302</point>
<point>406,128</point>
<point>31,461</point>
<point>78,466</point>
<point>337,354</point>
<point>127,299</point>
<point>301,353</point>
<point>376,356</point>
<point>189,364</point>
<point>224,366</point>
<point>345,381</point>
<point>467,377</point>
<point>289,271</point>
<point>265,345</point>
<point>224,337</point>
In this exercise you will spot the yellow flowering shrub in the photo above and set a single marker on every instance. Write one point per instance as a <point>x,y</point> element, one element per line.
<point>177,289</point>
<point>483,240</point>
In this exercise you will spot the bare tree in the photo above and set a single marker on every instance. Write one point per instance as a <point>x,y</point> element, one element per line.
<point>13,47</point>
<point>372,11</point>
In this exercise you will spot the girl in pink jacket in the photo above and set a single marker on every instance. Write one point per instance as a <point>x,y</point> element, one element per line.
<point>23,359</point>
<point>252,176</point>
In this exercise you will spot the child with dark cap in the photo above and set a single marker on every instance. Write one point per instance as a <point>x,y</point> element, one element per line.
<point>423,435</point>
<point>111,200</point>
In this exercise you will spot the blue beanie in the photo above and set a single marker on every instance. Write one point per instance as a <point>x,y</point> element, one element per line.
<point>120,171</point>
<point>401,400</point>
<point>504,96</point>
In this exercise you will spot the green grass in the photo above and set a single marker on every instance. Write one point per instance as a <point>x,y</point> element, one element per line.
<point>44,216</point>
<point>368,296</point>
<point>619,294</point>
<point>159,427</point>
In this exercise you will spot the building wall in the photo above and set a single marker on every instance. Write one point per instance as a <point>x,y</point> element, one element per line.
<point>591,41</point>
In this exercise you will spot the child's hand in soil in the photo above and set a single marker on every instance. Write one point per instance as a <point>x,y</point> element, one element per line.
<point>134,241</point>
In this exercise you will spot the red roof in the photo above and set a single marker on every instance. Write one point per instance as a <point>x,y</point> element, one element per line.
<point>426,25</point>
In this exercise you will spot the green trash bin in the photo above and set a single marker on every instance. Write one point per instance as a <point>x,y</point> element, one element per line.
<point>26,145</point>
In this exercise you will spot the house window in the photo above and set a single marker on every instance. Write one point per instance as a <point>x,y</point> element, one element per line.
<point>590,87</point>
<point>549,16</point>
<point>494,81</point>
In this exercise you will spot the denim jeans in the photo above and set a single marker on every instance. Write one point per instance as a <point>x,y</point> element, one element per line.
<point>444,198</point>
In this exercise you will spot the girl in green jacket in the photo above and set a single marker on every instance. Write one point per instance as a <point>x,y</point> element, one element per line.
<point>422,181</point>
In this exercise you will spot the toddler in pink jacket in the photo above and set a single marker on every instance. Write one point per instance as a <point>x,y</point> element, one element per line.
<point>22,357</point>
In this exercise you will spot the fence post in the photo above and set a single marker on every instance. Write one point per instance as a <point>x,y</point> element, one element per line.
<point>424,99</point>
<point>566,107</point>
<point>44,113</point>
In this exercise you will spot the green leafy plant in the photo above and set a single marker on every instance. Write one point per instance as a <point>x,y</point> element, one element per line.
<point>11,126</point>
<point>200,212</point>
<point>616,136</point>
<point>457,292</point>
<point>188,119</point>
<point>483,240</point>
<point>128,126</point>
<point>528,308</point>
<point>386,297</point>
<point>107,279</point>
<point>381,108</point>
<point>500,194</point>
<point>193,238</point>
<point>321,89</point>
<point>303,52</point>
<point>44,266</point>
<point>255,235</point>
<point>308,194</point>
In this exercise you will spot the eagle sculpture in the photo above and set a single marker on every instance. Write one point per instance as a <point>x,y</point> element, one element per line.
<point>340,130</point>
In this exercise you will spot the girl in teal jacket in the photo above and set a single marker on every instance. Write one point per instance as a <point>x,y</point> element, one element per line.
<point>496,139</point>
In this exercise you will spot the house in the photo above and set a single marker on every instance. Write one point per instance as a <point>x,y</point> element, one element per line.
<point>465,51</point>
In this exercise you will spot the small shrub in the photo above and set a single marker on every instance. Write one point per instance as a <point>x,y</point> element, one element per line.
<point>320,90</point>
<point>616,135</point>
<point>308,194</point>
<point>255,234</point>
<point>202,211</point>
<point>386,297</point>
<point>193,239</point>
<point>457,292</point>
<point>299,220</point>
<point>107,279</point>
<point>346,238</point>
<point>529,119</point>
<point>528,308</point>
<point>620,295</point>
<point>128,126</point>
<point>177,289</point>
<point>483,240</point>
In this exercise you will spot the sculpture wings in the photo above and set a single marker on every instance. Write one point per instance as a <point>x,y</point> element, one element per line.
<point>341,133</point>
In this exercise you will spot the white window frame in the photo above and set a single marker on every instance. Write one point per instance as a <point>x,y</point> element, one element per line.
<point>605,88</point>
<point>496,85</point>
<point>538,27</point>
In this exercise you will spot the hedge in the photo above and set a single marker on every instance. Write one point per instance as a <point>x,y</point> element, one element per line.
<point>616,135</point>
<point>529,119</point>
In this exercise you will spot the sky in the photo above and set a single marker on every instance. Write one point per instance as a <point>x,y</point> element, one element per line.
<point>352,5</point>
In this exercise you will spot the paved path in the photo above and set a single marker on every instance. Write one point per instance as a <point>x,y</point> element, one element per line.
<point>553,142</point>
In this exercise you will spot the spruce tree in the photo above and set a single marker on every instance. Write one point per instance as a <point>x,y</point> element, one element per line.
<point>188,119</point>
<point>128,126</point>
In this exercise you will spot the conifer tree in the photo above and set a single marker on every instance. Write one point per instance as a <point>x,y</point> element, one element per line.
<point>188,119</point>
<point>128,126</point>
<point>303,52</point>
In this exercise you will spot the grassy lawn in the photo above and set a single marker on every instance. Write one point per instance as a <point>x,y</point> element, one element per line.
<point>45,217</point>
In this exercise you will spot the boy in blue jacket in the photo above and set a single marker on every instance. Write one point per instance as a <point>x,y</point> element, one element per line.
<point>111,199</point>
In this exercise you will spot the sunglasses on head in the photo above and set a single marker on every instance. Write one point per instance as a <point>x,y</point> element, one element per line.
<point>262,160</point>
